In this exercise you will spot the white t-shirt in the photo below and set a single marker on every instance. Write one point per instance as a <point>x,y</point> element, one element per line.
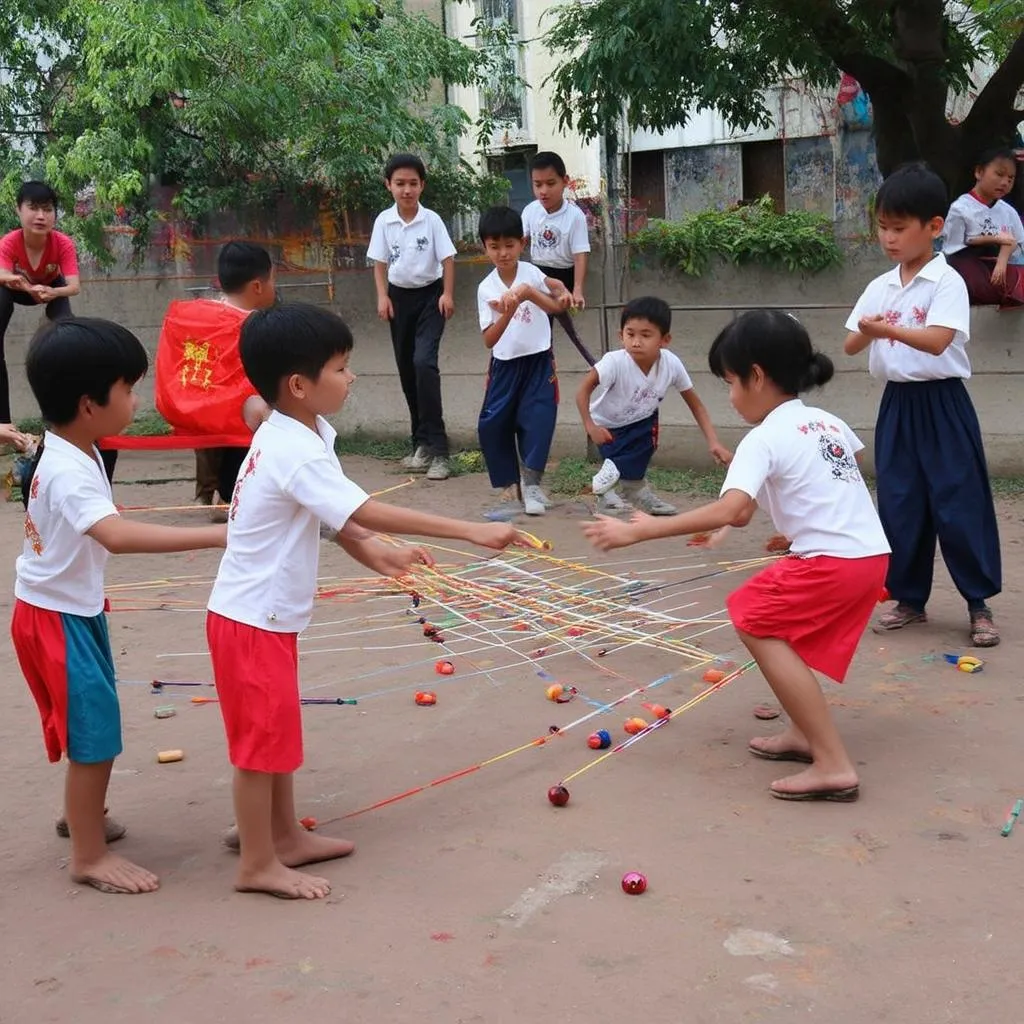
<point>936,297</point>
<point>413,252</point>
<point>798,463</point>
<point>626,394</point>
<point>60,568</point>
<point>970,217</point>
<point>555,237</point>
<point>290,482</point>
<point>529,330</point>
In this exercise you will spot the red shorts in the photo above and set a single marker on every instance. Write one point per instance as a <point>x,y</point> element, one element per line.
<point>820,606</point>
<point>257,677</point>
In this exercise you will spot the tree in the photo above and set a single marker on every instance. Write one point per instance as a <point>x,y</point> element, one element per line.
<point>661,60</point>
<point>235,103</point>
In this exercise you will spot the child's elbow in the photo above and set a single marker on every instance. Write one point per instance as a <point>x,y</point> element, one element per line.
<point>743,516</point>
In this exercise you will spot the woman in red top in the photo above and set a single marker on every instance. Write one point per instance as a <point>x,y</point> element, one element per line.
<point>38,267</point>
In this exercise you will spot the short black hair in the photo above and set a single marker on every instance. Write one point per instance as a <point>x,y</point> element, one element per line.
<point>994,153</point>
<point>238,263</point>
<point>293,338</point>
<point>775,341</point>
<point>405,162</point>
<point>38,193</point>
<point>648,307</point>
<point>913,190</point>
<point>548,161</point>
<point>500,222</point>
<point>80,357</point>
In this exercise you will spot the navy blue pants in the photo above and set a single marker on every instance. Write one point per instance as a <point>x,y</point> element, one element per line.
<point>933,484</point>
<point>632,447</point>
<point>517,421</point>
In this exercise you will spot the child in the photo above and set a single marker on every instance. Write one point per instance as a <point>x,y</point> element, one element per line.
<point>555,228</point>
<point>517,421</point>
<point>806,611</point>
<point>984,237</point>
<point>297,357</point>
<point>414,271</point>
<point>82,372</point>
<point>618,403</point>
<point>201,387</point>
<point>929,458</point>
<point>38,266</point>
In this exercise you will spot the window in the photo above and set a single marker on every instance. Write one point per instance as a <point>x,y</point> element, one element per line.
<point>764,172</point>
<point>502,96</point>
<point>515,166</point>
<point>647,182</point>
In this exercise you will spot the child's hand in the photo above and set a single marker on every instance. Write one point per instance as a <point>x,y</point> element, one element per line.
<point>446,306</point>
<point>10,434</point>
<point>999,272</point>
<point>384,308</point>
<point>394,560</point>
<point>1005,238</point>
<point>873,326</point>
<point>720,454</point>
<point>599,435</point>
<point>577,300</point>
<point>507,303</point>
<point>44,293</point>
<point>606,533</point>
<point>563,298</point>
<point>495,535</point>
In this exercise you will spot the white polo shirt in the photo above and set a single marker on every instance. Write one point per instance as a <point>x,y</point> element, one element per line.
<point>529,330</point>
<point>60,568</point>
<point>936,297</point>
<point>290,482</point>
<point>970,217</point>
<point>626,394</point>
<point>413,252</point>
<point>798,463</point>
<point>555,238</point>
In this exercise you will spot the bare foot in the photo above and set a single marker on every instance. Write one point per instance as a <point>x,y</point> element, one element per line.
<point>114,874</point>
<point>788,745</point>
<point>814,784</point>
<point>304,847</point>
<point>284,883</point>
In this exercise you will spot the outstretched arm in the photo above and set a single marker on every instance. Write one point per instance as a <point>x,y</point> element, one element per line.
<point>699,411</point>
<point>383,518</point>
<point>121,537</point>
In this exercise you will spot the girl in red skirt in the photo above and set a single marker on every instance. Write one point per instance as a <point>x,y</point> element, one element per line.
<point>808,610</point>
<point>983,239</point>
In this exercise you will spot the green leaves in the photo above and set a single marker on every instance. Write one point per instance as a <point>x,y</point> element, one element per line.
<point>796,241</point>
<point>234,102</point>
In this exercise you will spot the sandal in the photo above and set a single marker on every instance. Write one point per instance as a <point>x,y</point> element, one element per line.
<point>983,630</point>
<point>900,616</point>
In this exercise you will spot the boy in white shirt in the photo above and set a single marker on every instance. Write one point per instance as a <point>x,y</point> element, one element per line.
<point>933,480</point>
<point>983,238</point>
<point>297,359</point>
<point>82,372</point>
<point>414,272</point>
<point>618,402</point>
<point>517,420</point>
<point>806,611</point>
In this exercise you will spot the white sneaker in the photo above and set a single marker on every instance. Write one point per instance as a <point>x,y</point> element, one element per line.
<point>418,461</point>
<point>605,478</point>
<point>439,468</point>
<point>647,501</point>
<point>535,502</point>
<point>611,503</point>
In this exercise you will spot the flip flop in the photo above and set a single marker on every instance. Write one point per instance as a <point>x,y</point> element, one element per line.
<point>781,755</point>
<point>846,795</point>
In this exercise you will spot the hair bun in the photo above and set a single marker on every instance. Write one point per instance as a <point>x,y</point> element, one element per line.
<point>819,372</point>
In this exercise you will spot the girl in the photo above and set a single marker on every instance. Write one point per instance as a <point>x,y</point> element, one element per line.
<point>807,610</point>
<point>984,237</point>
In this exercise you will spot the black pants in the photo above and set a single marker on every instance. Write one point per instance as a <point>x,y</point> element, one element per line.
<point>416,330</point>
<point>231,460</point>
<point>56,310</point>
<point>567,275</point>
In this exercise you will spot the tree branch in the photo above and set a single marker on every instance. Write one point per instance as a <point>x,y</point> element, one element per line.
<point>997,99</point>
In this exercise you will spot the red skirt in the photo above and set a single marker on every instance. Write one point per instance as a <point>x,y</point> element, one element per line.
<point>256,673</point>
<point>977,274</point>
<point>820,606</point>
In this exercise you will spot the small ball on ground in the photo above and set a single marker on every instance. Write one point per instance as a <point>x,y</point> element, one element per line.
<point>634,725</point>
<point>558,795</point>
<point>634,883</point>
<point>554,691</point>
<point>599,740</point>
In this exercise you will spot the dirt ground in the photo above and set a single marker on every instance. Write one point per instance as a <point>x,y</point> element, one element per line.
<point>476,900</point>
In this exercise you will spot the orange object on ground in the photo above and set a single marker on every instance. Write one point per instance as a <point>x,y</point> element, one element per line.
<point>713,675</point>
<point>634,725</point>
<point>425,698</point>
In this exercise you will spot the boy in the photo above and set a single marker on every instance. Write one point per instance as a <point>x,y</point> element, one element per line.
<point>618,403</point>
<point>517,420</point>
<point>557,233</point>
<point>414,271</point>
<point>81,372</point>
<point>932,477</point>
<point>201,387</point>
<point>297,358</point>
<point>38,266</point>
